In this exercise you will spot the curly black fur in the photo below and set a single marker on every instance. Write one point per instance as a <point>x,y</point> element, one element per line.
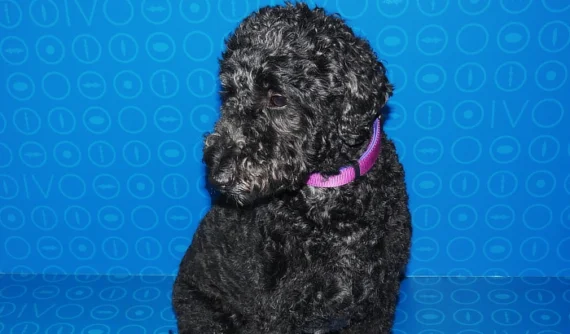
<point>274,255</point>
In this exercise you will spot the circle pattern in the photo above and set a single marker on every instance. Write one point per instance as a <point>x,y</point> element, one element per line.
<point>105,106</point>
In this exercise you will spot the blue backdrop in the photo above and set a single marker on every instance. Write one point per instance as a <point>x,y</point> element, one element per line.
<point>104,105</point>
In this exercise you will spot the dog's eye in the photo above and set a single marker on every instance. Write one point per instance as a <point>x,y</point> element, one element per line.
<point>277,101</point>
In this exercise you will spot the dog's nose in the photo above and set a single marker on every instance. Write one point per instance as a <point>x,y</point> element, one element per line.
<point>220,180</point>
<point>220,175</point>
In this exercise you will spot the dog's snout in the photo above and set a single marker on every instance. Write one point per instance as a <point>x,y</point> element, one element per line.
<point>220,173</point>
<point>228,133</point>
<point>220,180</point>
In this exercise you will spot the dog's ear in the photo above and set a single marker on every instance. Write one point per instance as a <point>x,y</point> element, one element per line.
<point>367,89</point>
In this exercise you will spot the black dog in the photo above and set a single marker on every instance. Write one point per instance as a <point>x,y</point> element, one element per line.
<point>312,229</point>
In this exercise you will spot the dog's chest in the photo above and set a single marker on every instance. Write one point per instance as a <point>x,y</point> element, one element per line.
<point>331,258</point>
<point>332,272</point>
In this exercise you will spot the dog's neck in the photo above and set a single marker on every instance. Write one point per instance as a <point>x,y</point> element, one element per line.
<point>350,173</point>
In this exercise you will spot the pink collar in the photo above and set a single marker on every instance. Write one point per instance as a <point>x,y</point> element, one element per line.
<point>350,173</point>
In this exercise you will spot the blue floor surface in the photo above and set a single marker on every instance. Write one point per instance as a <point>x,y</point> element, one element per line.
<point>31,304</point>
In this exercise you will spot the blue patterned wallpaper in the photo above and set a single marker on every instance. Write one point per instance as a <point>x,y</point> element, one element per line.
<point>104,104</point>
<point>80,304</point>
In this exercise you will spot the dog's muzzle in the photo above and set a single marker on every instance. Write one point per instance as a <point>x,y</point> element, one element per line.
<point>220,175</point>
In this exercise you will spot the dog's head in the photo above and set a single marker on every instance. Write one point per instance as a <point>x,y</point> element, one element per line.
<point>299,94</point>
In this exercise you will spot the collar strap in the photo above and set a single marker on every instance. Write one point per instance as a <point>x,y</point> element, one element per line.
<point>351,173</point>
